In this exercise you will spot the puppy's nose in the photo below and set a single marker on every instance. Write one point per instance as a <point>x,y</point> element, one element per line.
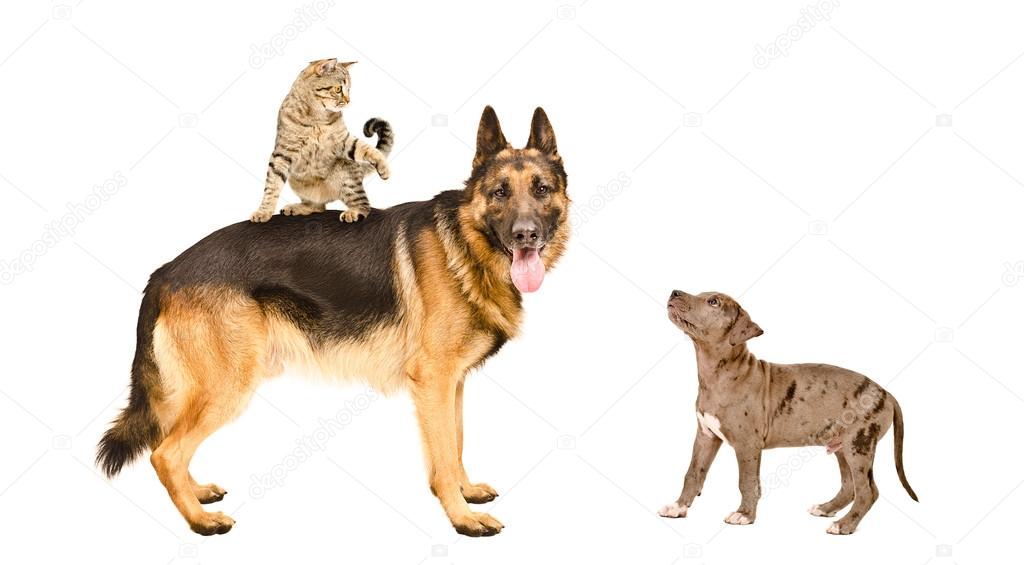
<point>677,293</point>
<point>525,231</point>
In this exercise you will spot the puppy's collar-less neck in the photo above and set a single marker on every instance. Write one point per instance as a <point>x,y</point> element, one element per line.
<point>710,366</point>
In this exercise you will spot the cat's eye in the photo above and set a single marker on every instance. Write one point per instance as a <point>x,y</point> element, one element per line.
<point>713,301</point>
<point>336,89</point>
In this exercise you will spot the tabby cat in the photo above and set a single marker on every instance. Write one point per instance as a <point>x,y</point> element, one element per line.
<point>316,153</point>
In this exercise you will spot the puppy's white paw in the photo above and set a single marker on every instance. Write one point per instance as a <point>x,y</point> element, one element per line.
<point>673,510</point>
<point>737,519</point>
<point>817,511</point>
<point>839,530</point>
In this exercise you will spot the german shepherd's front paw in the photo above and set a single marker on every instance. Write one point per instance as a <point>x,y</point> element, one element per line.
<point>477,524</point>
<point>479,493</point>
<point>210,523</point>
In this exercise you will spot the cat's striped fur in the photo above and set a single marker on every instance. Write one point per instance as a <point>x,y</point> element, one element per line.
<point>315,152</point>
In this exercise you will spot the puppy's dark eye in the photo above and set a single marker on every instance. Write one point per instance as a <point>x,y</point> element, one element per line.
<point>500,192</point>
<point>713,302</point>
<point>542,189</point>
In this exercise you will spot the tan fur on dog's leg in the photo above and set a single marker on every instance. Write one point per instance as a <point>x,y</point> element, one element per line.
<point>865,491</point>
<point>433,392</point>
<point>705,447</point>
<point>477,493</point>
<point>843,497</point>
<point>749,461</point>
<point>207,493</point>
<point>208,385</point>
<point>171,461</point>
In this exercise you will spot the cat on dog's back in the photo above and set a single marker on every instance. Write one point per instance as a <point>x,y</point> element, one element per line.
<point>315,152</point>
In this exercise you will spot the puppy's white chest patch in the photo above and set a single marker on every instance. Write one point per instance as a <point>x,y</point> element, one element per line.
<point>710,425</point>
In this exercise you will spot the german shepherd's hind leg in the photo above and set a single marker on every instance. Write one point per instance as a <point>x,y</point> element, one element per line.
<point>208,385</point>
<point>171,461</point>
<point>476,493</point>
<point>434,386</point>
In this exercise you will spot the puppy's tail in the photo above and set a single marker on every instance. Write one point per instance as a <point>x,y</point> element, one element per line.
<point>898,446</point>
<point>135,428</point>
<point>385,136</point>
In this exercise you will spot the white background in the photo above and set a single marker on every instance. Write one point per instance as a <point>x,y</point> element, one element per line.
<point>824,190</point>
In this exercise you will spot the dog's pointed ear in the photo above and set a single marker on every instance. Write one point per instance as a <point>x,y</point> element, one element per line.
<point>542,135</point>
<point>489,139</point>
<point>743,329</point>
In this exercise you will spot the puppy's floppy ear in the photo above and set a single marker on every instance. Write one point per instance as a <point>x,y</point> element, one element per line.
<point>489,139</point>
<point>743,329</point>
<point>542,135</point>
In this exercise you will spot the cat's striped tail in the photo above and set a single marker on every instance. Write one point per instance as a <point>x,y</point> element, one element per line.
<point>385,137</point>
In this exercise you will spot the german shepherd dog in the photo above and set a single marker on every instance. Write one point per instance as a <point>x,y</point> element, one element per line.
<point>414,296</point>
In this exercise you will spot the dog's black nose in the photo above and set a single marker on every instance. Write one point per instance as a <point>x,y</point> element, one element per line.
<point>525,231</point>
<point>677,293</point>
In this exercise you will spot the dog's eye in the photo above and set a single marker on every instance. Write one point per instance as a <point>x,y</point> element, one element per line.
<point>713,302</point>
<point>500,192</point>
<point>542,189</point>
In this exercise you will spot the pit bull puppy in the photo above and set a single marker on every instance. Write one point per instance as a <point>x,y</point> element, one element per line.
<point>754,405</point>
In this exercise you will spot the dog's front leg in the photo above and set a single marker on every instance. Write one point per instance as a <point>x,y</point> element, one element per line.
<point>477,493</point>
<point>749,460</point>
<point>705,447</point>
<point>434,392</point>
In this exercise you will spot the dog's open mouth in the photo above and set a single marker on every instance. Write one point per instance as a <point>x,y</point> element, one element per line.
<point>527,268</point>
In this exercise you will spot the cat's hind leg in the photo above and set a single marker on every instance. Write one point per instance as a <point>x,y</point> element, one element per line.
<point>356,203</point>
<point>347,180</point>
<point>303,208</point>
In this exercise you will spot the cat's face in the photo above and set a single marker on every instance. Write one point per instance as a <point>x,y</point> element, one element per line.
<point>328,83</point>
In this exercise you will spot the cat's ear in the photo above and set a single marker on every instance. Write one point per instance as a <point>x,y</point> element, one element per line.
<point>489,139</point>
<point>347,64</point>
<point>323,66</point>
<point>542,135</point>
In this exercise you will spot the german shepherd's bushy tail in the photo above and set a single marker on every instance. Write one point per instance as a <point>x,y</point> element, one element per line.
<point>136,427</point>
<point>898,447</point>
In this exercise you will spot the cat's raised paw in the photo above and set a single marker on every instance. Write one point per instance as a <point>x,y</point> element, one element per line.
<point>383,170</point>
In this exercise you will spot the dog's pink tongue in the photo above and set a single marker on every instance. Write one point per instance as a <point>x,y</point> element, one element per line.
<point>527,269</point>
